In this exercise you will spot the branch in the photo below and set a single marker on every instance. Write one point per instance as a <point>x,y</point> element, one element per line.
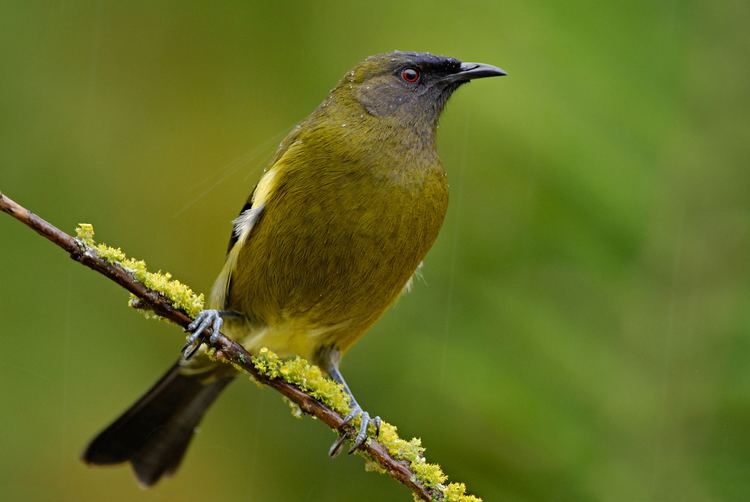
<point>424,487</point>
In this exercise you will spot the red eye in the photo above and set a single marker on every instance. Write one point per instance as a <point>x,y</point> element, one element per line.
<point>409,75</point>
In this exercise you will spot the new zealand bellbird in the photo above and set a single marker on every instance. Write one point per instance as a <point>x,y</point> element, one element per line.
<point>329,238</point>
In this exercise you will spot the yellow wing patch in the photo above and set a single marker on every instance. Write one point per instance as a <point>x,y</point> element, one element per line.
<point>243,226</point>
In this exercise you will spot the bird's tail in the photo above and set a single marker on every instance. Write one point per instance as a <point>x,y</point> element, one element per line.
<point>154,433</point>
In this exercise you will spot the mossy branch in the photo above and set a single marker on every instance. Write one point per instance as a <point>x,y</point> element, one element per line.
<point>300,382</point>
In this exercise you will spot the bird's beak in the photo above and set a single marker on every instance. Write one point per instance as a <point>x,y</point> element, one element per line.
<point>470,71</point>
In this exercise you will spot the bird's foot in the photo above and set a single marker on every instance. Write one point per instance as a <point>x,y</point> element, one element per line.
<point>361,436</point>
<point>206,319</point>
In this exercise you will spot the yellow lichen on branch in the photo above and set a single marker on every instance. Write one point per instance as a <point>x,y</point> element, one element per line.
<point>181,296</point>
<point>310,379</point>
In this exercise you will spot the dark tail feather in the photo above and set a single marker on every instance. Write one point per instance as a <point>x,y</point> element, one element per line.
<point>154,433</point>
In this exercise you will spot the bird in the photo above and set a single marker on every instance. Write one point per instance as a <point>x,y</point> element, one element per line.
<point>330,237</point>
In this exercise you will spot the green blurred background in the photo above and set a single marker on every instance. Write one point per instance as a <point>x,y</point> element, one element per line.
<point>581,332</point>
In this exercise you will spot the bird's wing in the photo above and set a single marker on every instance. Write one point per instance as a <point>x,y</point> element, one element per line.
<point>249,217</point>
<point>280,151</point>
<point>288,140</point>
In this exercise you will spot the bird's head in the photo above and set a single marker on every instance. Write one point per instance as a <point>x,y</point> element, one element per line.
<point>410,85</point>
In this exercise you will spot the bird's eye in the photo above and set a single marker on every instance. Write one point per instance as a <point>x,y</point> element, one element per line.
<point>409,75</point>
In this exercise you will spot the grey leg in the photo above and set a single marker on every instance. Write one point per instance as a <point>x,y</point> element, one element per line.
<point>330,359</point>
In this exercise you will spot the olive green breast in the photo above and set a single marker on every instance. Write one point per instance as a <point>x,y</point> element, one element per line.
<point>342,232</point>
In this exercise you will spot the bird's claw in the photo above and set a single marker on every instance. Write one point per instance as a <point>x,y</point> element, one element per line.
<point>206,319</point>
<point>361,436</point>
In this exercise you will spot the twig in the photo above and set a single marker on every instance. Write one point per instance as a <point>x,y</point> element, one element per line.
<point>226,349</point>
